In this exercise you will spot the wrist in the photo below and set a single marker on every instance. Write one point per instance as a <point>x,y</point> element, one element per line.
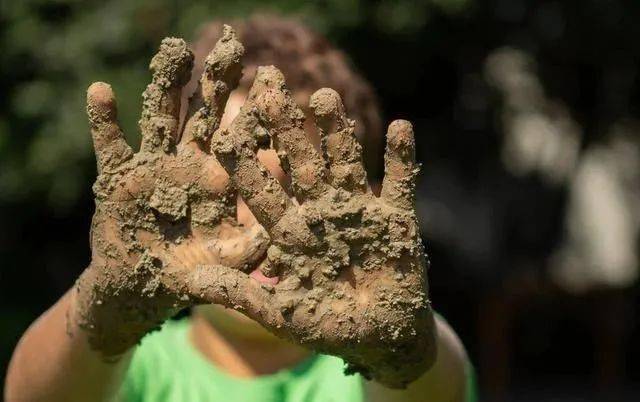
<point>108,319</point>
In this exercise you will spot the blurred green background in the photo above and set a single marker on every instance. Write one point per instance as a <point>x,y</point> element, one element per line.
<point>426,60</point>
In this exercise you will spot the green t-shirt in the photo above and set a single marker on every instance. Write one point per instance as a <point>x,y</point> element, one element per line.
<point>166,367</point>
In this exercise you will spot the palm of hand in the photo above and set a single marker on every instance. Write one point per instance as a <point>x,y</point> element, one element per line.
<point>355,286</point>
<point>179,208</point>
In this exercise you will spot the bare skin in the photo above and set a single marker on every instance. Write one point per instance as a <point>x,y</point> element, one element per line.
<point>350,267</point>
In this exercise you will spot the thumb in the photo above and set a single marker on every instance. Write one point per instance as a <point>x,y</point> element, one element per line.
<point>241,248</point>
<point>234,289</point>
<point>232,246</point>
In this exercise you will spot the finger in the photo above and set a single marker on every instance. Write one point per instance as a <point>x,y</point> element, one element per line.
<point>339,143</point>
<point>235,289</point>
<point>285,122</point>
<point>239,247</point>
<point>171,70</point>
<point>222,72</point>
<point>400,168</point>
<point>235,150</point>
<point>108,141</point>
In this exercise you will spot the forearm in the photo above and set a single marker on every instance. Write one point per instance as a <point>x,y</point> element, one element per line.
<point>54,362</point>
<point>446,381</point>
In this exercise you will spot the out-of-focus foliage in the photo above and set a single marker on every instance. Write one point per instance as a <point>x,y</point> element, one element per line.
<point>52,50</point>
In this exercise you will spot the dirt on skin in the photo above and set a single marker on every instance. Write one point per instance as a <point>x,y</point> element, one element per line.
<point>351,266</point>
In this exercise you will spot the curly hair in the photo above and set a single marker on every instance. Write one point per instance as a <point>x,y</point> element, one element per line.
<point>309,62</point>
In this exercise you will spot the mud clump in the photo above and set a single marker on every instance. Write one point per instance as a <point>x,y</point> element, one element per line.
<point>171,202</point>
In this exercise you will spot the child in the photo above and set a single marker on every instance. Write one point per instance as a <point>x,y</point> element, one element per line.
<point>217,353</point>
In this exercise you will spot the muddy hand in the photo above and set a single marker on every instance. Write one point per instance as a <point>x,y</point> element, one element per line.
<point>351,266</point>
<point>165,210</point>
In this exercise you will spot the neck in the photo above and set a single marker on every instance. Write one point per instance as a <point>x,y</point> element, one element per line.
<point>243,357</point>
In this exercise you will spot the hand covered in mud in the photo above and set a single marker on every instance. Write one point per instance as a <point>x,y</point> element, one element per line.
<point>350,266</point>
<point>164,210</point>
